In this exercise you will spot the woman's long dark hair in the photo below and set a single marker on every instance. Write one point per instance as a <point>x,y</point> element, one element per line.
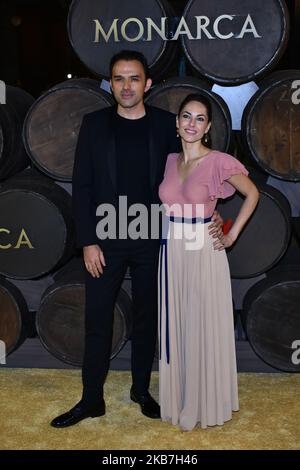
<point>206,102</point>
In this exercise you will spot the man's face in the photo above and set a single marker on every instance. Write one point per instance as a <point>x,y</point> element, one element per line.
<point>128,83</point>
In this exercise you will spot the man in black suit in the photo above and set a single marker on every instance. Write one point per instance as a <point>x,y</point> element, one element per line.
<point>121,151</point>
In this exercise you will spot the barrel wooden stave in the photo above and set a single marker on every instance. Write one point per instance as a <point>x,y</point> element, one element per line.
<point>52,124</point>
<point>60,321</point>
<point>270,126</point>
<point>14,316</point>
<point>272,318</point>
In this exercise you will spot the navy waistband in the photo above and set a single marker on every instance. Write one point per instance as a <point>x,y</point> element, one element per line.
<point>193,220</point>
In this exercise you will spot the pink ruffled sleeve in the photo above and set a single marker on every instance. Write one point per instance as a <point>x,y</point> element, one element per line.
<point>225,167</point>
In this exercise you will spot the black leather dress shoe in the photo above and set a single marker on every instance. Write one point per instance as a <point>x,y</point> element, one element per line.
<point>148,405</point>
<point>76,414</point>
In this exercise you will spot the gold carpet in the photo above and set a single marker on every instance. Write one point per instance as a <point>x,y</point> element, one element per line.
<point>269,416</point>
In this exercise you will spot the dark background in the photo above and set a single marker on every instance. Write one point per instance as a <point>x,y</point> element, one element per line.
<point>35,52</point>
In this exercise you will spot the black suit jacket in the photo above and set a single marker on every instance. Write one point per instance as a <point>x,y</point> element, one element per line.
<point>94,174</point>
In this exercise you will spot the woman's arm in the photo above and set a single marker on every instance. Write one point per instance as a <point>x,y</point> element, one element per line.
<point>243,185</point>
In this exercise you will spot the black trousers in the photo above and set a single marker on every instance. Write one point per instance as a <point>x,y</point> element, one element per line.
<point>142,258</point>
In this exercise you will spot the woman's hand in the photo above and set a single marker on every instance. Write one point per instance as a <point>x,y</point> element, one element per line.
<point>225,241</point>
<point>215,229</point>
<point>94,260</point>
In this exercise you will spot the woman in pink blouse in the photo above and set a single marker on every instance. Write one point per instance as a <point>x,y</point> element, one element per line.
<point>197,366</point>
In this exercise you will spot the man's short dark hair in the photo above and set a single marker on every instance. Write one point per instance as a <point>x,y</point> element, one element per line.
<point>130,55</point>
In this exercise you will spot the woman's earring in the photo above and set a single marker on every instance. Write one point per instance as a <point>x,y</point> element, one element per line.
<point>177,134</point>
<point>205,138</point>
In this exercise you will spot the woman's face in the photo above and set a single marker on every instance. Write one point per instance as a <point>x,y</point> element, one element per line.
<point>193,122</point>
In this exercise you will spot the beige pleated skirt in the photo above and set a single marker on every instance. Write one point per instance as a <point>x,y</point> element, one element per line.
<point>197,365</point>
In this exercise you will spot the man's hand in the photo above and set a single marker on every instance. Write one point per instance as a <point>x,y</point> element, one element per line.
<point>94,260</point>
<point>215,229</point>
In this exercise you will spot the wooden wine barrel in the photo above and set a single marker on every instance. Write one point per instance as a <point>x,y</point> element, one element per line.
<point>36,231</point>
<point>273,320</point>
<point>270,126</point>
<point>52,124</point>
<point>240,287</point>
<point>127,21</point>
<point>60,320</point>
<point>169,95</point>
<point>266,236</point>
<point>13,316</point>
<point>234,42</point>
<point>13,157</point>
